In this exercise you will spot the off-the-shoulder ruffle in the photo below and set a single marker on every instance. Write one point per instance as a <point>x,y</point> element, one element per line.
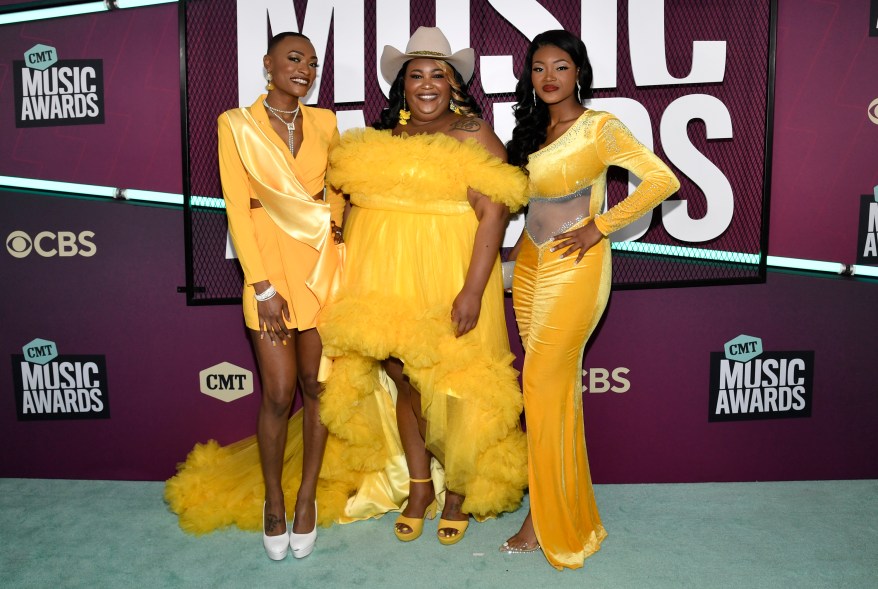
<point>440,167</point>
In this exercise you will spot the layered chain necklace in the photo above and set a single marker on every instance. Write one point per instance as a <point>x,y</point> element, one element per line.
<point>291,126</point>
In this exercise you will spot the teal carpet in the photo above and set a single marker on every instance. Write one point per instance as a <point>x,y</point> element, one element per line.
<point>89,534</point>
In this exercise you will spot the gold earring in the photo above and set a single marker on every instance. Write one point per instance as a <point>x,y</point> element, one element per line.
<point>452,106</point>
<point>270,85</point>
<point>404,114</point>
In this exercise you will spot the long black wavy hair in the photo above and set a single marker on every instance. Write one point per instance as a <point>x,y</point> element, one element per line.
<point>532,115</point>
<point>389,117</point>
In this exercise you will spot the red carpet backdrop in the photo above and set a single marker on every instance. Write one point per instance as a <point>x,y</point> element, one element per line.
<point>109,374</point>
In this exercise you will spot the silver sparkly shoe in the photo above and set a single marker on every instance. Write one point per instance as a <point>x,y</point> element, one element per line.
<point>507,549</point>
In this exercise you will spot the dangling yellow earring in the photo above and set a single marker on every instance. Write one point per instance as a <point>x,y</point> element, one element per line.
<point>270,85</point>
<point>404,114</point>
<point>453,106</point>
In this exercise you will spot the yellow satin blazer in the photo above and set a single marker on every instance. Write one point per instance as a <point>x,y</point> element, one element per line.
<point>287,241</point>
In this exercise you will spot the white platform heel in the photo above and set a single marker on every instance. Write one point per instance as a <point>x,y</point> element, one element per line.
<point>276,547</point>
<point>303,544</point>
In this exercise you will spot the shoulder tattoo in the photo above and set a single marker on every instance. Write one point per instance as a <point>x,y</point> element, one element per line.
<point>468,124</point>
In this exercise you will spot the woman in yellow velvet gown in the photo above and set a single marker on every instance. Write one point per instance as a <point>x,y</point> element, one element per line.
<point>562,279</point>
<point>422,291</point>
<point>285,226</point>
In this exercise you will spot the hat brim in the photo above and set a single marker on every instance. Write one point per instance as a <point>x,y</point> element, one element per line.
<point>392,60</point>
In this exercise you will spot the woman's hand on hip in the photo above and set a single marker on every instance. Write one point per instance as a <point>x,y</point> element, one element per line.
<point>582,239</point>
<point>465,312</point>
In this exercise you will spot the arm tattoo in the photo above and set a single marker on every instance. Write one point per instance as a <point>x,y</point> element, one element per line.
<point>470,125</point>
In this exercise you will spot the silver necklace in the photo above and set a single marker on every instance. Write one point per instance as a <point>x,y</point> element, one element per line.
<point>291,126</point>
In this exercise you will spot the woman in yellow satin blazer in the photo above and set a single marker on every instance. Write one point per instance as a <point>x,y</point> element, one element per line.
<point>284,223</point>
<point>562,279</point>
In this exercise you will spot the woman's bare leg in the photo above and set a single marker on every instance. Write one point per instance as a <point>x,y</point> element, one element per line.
<point>411,431</point>
<point>309,348</point>
<point>277,372</point>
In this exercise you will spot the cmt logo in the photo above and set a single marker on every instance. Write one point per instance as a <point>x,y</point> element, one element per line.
<point>743,348</point>
<point>49,244</point>
<point>226,382</point>
<point>40,351</point>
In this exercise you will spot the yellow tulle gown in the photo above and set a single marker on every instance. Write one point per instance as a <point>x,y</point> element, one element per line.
<point>558,304</point>
<point>409,240</point>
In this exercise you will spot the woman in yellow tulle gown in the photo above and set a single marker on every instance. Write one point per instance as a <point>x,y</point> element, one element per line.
<point>273,158</point>
<point>422,292</point>
<point>562,279</point>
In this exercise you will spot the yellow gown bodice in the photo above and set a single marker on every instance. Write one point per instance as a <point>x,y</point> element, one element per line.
<point>571,172</point>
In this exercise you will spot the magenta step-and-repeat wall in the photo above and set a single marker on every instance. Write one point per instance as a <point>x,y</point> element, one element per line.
<point>110,375</point>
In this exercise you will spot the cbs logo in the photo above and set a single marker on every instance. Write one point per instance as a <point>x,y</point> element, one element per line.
<point>49,244</point>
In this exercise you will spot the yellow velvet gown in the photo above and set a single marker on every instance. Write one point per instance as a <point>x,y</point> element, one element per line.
<point>558,304</point>
<point>409,239</point>
<point>288,242</point>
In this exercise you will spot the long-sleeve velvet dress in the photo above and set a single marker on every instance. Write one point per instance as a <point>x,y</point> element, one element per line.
<point>558,303</point>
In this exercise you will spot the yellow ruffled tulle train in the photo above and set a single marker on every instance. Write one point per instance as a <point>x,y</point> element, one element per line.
<point>219,486</point>
<point>470,401</point>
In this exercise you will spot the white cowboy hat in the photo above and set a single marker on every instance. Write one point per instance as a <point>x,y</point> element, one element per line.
<point>427,42</point>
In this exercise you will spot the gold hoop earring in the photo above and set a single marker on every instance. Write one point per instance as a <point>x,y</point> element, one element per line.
<point>270,85</point>
<point>404,114</point>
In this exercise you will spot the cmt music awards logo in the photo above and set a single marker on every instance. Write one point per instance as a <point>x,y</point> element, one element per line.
<point>747,383</point>
<point>50,93</point>
<point>867,243</point>
<point>51,387</point>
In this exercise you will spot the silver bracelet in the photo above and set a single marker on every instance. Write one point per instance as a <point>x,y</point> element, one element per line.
<point>265,294</point>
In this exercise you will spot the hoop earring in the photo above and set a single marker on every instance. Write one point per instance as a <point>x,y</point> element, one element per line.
<point>404,114</point>
<point>453,107</point>
<point>270,85</point>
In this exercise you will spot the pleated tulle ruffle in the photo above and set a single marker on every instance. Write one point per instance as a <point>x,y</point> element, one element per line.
<point>422,168</point>
<point>470,399</point>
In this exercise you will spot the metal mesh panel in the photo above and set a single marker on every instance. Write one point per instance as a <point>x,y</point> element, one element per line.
<point>211,55</point>
<point>211,60</point>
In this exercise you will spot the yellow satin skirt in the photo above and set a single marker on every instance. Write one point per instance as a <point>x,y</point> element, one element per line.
<point>558,305</point>
<point>219,486</point>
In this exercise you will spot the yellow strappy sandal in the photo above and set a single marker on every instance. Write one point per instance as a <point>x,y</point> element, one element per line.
<point>460,526</point>
<point>415,524</point>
